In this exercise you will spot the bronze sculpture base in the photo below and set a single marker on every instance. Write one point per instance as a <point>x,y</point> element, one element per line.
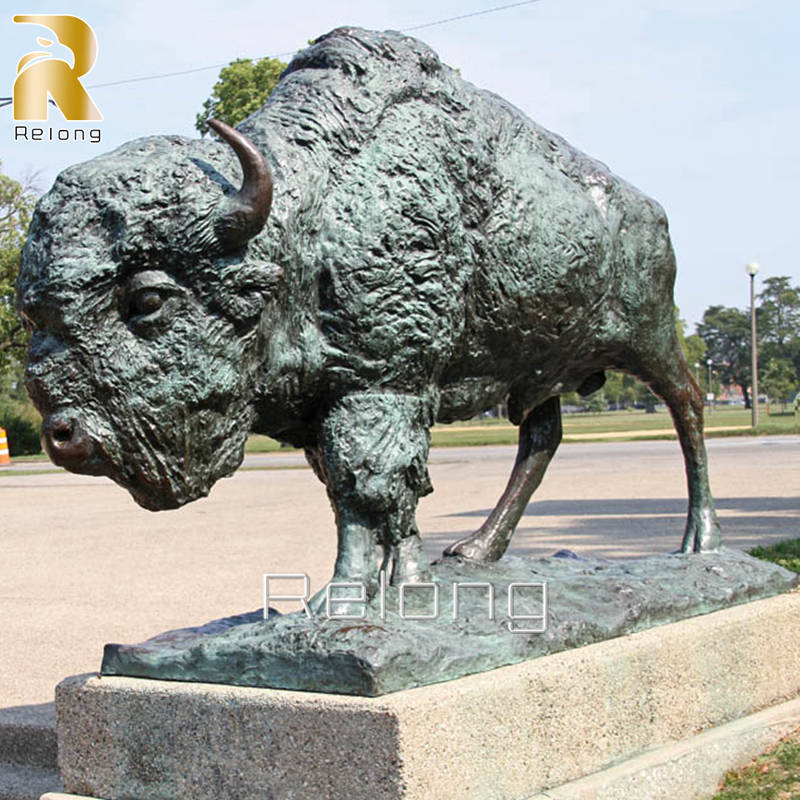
<point>587,601</point>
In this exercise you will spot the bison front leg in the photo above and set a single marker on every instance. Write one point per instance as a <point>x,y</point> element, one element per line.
<point>539,436</point>
<point>371,455</point>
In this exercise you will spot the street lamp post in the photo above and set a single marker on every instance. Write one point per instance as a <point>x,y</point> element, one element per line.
<point>697,372</point>
<point>752,269</point>
<point>710,394</point>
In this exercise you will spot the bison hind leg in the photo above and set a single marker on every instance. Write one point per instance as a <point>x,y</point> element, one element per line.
<point>539,436</point>
<point>670,378</point>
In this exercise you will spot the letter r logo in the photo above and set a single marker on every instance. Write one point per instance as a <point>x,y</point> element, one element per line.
<point>40,74</point>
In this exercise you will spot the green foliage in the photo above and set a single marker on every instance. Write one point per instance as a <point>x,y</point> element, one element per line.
<point>779,379</point>
<point>727,337</point>
<point>621,389</point>
<point>786,553</point>
<point>18,417</point>
<point>694,348</point>
<point>726,333</point>
<point>22,425</point>
<point>779,323</point>
<point>16,207</point>
<point>779,312</point>
<point>242,88</point>
<point>596,402</point>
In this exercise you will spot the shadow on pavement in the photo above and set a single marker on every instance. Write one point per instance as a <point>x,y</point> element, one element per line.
<point>623,528</point>
<point>649,506</point>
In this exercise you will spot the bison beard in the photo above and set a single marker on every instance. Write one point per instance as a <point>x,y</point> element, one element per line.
<point>431,252</point>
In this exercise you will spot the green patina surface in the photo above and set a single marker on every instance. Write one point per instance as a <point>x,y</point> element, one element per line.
<point>430,252</point>
<point>587,601</point>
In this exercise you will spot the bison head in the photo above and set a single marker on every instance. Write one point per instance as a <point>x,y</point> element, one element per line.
<point>147,311</point>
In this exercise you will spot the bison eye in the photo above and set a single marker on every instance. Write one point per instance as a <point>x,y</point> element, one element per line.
<point>145,302</point>
<point>148,302</point>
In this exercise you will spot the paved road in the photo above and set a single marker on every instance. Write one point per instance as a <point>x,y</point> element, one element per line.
<point>81,564</point>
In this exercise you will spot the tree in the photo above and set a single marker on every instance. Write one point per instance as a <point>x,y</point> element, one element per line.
<point>16,208</point>
<point>693,346</point>
<point>779,312</point>
<point>17,415</point>
<point>779,323</point>
<point>726,333</point>
<point>242,88</point>
<point>596,402</point>
<point>621,389</point>
<point>779,380</point>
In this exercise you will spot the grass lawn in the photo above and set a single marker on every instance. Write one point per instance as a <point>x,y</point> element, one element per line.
<point>786,553</point>
<point>261,444</point>
<point>625,424</point>
<point>721,417</point>
<point>775,775</point>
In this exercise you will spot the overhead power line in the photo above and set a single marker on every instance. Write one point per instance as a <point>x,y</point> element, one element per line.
<point>292,52</point>
<point>467,16</point>
<point>180,72</point>
<point>7,101</point>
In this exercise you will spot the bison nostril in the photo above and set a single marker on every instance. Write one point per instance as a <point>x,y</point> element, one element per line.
<point>62,431</point>
<point>67,442</point>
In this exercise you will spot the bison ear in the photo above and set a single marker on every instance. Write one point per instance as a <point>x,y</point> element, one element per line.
<point>246,291</point>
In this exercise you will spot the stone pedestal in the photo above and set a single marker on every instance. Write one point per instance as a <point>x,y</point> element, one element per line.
<point>505,734</point>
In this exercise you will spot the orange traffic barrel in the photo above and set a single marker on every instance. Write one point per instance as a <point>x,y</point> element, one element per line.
<point>5,458</point>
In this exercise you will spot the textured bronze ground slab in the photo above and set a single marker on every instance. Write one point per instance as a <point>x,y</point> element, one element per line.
<point>588,601</point>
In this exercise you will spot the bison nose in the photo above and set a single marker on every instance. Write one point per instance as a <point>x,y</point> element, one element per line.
<point>67,443</point>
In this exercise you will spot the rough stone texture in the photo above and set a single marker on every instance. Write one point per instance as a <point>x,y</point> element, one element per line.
<point>588,600</point>
<point>493,736</point>
<point>688,770</point>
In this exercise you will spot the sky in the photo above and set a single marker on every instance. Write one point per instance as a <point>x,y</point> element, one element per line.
<point>695,102</point>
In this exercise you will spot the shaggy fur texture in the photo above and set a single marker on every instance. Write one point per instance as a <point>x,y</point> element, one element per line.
<point>431,252</point>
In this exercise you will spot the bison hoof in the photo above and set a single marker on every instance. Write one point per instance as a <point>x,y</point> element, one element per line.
<point>702,533</point>
<point>410,564</point>
<point>472,549</point>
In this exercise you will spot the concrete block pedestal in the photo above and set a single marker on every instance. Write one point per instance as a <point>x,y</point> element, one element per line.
<point>577,716</point>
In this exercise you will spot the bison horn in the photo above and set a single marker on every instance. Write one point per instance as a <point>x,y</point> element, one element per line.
<point>247,211</point>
